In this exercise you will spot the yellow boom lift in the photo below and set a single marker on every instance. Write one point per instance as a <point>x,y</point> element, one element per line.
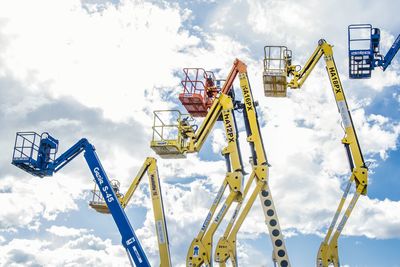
<point>149,166</point>
<point>188,139</point>
<point>277,67</point>
<point>226,247</point>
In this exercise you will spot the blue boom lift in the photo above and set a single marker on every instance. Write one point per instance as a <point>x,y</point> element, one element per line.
<point>364,52</point>
<point>36,154</point>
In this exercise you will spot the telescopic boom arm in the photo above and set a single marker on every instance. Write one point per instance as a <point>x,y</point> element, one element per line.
<point>150,167</point>
<point>328,252</point>
<point>227,244</point>
<point>190,139</point>
<point>38,159</point>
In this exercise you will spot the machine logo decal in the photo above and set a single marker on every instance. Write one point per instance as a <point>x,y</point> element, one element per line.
<point>335,80</point>
<point>196,251</point>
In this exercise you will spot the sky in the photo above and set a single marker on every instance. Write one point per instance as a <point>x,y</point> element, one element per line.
<point>98,69</point>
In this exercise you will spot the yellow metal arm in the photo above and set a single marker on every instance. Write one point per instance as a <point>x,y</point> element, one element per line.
<point>328,251</point>
<point>200,250</point>
<point>190,139</point>
<point>226,247</point>
<point>132,188</point>
<point>149,166</point>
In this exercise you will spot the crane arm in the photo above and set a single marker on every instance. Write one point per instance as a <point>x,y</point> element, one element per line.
<point>129,238</point>
<point>299,77</point>
<point>214,112</point>
<point>43,165</point>
<point>190,139</point>
<point>226,247</point>
<point>200,250</point>
<point>328,252</point>
<point>158,212</point>
<point>391,53</point>
<point>150,167</point>
<point>69,155</point>
<point>135,183</point>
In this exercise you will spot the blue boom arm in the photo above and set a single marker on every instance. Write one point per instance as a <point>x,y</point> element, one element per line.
<point>387,60</point>
<point>39,162</point>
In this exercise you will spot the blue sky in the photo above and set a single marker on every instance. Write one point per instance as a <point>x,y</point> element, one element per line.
<point>97,69</point>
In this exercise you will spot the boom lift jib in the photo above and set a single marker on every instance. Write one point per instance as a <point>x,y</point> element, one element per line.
<point>174,133</point>
<point>191,141</point>
<point>36,154</point>
<point>175,139</point>
<point>226,247</point>
<point>364,50</point>
<point>150,167</point>
<point>328,251</point>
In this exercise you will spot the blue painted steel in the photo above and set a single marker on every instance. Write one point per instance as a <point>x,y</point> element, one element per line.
<point>36,155</point>
<point>363,60</point>
<point>361,53</point>
<point>129,239</point>
<point>391,53</point>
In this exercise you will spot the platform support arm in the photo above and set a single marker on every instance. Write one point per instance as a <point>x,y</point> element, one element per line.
<point>227,244</point>
<point>129,238</point>
<point>391,53</point>
<point>134,185</point>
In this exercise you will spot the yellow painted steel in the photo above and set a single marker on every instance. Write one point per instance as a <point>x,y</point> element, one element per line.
<point>190,139</point>
<point>226,248</point>
<point>167,146</point>
<point>200,250</point>
<point>328,251</point>
<point>149,166</point>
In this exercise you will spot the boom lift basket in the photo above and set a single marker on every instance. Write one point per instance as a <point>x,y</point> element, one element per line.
<point>33,152</point>
<point>169,139</point>
<point>363,43</point>
<point>275,70</point>
<point>199,91</point>
<point>98,203</point>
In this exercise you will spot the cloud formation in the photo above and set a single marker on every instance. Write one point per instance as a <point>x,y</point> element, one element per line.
<point>96,69</point>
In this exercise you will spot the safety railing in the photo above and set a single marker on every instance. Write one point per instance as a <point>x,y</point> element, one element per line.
<point>170,128</point>
<point>98,202</point>
<point>276,60</point>
<point>361,52</point>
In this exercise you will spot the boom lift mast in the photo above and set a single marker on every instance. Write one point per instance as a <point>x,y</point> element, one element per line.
<point>275,84</point>
<point>200,251</point>
<point>364,51</point>
<point>36,154</point>
<point>150,167</point>
<point>190,139</point>
<point>226,247</point>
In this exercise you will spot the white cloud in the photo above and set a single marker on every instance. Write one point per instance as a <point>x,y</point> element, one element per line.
<point>375,218</point>
<point>28,201</point>
<point>38,252</point>
<point>63,231</point>
<point>125,53</point>
<point>122,60</point>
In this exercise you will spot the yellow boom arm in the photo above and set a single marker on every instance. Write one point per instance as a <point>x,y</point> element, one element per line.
<point>227,244</point>
<point>200,250</point>
<point>190,139</point>
<point>149,166</point>
<point>328,251</point>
